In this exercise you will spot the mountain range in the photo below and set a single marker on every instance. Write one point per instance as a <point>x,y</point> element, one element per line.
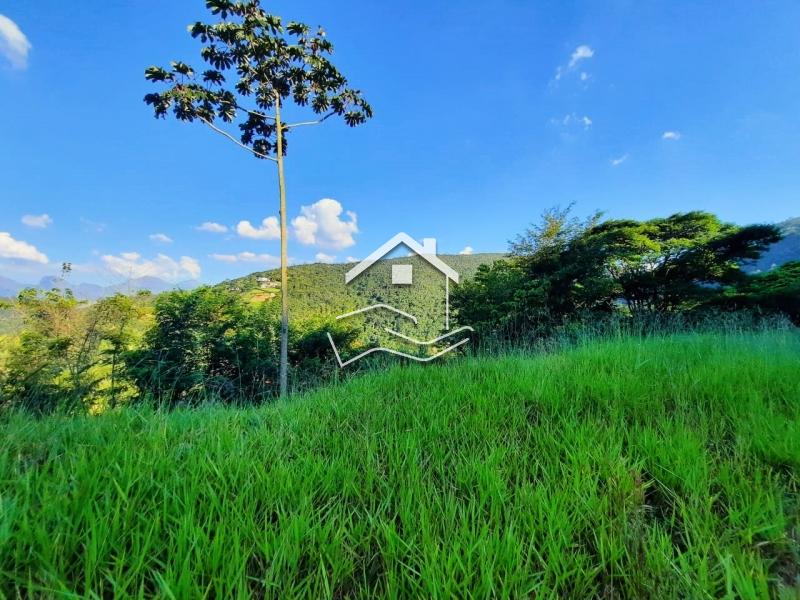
<point>92,291</point>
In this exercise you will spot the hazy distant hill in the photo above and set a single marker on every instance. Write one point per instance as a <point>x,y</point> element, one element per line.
<point>91,291</point>
<point>786,250</point>
<point>9,287</point>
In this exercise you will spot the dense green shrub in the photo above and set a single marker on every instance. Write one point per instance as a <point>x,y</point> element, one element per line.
<point>206,342</point>
<point>210,343</point>
<point>775,291</point>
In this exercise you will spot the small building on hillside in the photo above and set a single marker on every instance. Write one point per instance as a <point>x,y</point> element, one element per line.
<point>266,283</point>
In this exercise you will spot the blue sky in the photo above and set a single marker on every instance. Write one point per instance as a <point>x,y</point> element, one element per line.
<point>486,113</point>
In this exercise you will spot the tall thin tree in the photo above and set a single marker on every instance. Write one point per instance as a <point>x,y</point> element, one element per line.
<point>271,63</point>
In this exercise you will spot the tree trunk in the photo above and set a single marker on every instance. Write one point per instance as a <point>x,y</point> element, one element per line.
<point>284,359</point>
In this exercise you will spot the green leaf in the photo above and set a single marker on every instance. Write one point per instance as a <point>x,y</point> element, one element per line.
<point>182,69</point>
<point>156,74</point>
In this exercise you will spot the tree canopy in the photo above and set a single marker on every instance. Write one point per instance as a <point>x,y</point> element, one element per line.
<point>254,62</point>
<point>564,267</point>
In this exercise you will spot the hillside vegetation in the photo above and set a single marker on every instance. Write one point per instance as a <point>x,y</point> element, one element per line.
<point>664,468</point>
<point>320,288</point>
<point>561,275</point>
<point>318,293</point>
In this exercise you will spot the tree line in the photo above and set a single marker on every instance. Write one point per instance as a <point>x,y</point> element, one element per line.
<point>216,343</point>
<point>177,348</point>
<point>564,268</point>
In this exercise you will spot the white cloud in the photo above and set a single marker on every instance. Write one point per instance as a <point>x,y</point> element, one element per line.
<point>228,258</point>
<point>266,259</point>
<point>211,227</point>
<point>467,251</point>
<point>352,259</point>
<point>582,52</point>
<point>618,161</point>
<point>574,119</point>
<point>258,258</point>
<point>92,226</point>
<point>671,135</point>
<point>324,258</point>
<point>37,221</point>
<point>14,45</point>
<point>132,265</point>
<point>321,224</point>
<point>161,238</point>
<point>16,249</point>
<point>269,230</point>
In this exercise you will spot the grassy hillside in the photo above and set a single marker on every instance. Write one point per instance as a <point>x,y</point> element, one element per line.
<point>658,468</point>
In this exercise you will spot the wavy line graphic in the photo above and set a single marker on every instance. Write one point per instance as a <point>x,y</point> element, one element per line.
<point>375,306</point>
<point>390,351</point>
<point>429,342</point>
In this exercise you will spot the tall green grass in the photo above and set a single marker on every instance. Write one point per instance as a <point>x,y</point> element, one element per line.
<point>660,467</point>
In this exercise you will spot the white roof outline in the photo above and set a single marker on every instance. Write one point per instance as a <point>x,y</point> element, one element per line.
<point>413,245</point>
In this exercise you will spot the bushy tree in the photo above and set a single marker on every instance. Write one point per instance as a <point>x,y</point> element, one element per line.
<point>675,263</point>
<point>536,286</point>
<point>493,298</point>
<point>256,65</point>
<point>206,343</point>
<point>47,366</point>
<point>121,327</point>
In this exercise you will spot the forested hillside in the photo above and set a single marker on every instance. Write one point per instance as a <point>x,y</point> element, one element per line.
<point>318,291</point>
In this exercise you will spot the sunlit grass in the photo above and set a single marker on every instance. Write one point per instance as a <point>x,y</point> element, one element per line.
<point>664,467</point>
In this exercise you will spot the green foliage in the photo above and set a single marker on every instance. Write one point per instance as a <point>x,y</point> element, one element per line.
<point>319,290</point>
<point>121,325</point>
<point>206,343</point>
<point>666,467</point>
<point>270,62</point>
<point>775,291</point>
<point>48,366</point>
<point>10,319</point>
<point>64,351</point>
<point>492,298</point>
<point>564,268</point>
<point>212,344</point>
<point>676,262</point>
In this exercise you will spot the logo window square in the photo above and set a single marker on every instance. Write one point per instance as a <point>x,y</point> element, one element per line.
<point>402,274</point>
